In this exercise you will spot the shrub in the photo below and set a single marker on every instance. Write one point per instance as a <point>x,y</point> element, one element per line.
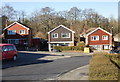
<point>115,58</point>
<point>65,48</point>
<point>81,44</point>
<point>101,68</point>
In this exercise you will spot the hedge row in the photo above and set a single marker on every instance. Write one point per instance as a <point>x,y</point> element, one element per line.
<point>65,48</point>
<point>115,58</point>
<point>101,68</point>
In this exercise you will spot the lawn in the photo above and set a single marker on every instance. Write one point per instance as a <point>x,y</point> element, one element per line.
<point>101,67</point>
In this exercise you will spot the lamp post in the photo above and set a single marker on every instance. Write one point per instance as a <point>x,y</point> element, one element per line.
<point>112,37</point>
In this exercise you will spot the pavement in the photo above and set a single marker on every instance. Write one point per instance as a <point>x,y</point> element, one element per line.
<point>80,73</point>
<point>57,55</point>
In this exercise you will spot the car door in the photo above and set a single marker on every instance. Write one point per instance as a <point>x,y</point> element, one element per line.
<point>5,52</point>
<point>10,51</point>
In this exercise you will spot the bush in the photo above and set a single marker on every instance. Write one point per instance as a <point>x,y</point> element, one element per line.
<point>65,48</point>
<point>101,68</point>
<point>115,58</point>
<point>81,44</point>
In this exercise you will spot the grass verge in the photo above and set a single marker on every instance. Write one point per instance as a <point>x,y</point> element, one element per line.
<point>101,68</point>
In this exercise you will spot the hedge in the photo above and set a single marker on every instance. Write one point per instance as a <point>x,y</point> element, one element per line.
<point>115,58</point>
<point>65,48</point>
<point>101,68</point>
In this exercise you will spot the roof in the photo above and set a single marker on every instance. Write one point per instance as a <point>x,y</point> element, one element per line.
<point>98,29</point>
<point>59,27</point>
<point>89,30</point>
<point>117,35</point>
<point>18,24</point>
<point>4,44</point>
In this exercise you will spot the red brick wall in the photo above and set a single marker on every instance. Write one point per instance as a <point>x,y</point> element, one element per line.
<point>100,41</point>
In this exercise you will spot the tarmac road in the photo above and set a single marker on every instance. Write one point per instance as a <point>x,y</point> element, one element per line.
<point>28,67</point>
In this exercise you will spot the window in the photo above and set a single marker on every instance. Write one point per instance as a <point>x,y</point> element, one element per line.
<point>105,37</point>
<point>55,35</point>
<point>22,31</point>
<point>13,41</point>
<point>8,48</point>
<point>5,48</point>
<point>11,32</point>
<point>106,46</point>
<point>65,35</point>
<point>93,38</point>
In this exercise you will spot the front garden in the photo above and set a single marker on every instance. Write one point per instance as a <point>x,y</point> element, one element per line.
<point>104,66</point>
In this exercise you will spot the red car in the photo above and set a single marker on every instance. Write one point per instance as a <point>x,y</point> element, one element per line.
<point>8,51</point>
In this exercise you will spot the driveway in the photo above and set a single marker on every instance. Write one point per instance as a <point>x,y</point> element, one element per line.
<point>29,66</point>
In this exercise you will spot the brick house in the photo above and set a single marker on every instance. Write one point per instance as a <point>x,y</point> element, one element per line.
<point>60,36</point>
<point>18,34</point>
<point>99,38</point>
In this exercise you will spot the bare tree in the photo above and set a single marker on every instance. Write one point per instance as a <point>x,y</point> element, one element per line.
<point>8,11</point>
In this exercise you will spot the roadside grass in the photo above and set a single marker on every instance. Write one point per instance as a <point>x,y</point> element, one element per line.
<point>101,68</point>
<point>115,58</point>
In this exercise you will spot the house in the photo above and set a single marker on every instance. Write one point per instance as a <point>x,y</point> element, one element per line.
<point>116,40</point>
<point>60,36</point>
<point>84,33</point>
<point>18,34</point>
<point>117,37</point>
<point>99,39</point>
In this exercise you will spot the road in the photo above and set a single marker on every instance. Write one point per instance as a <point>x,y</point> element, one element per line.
<point>28,67</point>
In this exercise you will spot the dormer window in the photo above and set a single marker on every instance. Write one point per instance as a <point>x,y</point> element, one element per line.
<point>22,31</point>
<point>11,32</point>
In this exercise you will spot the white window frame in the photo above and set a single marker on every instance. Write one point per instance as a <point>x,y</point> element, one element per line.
<point>65,33</point>
<point>11,33</point>
<point>54,34</point>
<point>22,31</point>
<point>16,41</point>
<point>94,36</point>
<point>105,38</point>
<point>106,46</point>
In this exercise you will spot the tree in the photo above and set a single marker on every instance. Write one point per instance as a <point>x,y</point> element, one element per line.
<point>20,16</point>
<point>74,13</point>
<point>8,11</point>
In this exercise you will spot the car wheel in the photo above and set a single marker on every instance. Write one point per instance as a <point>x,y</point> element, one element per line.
<point>14,58</point>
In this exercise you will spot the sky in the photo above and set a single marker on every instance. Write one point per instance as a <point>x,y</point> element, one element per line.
<point>106,9</point>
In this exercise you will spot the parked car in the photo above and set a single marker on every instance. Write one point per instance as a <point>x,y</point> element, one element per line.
<point>114,51</point>
<point>8,51</point>
<point>56,50</point>
<point>118,52</point>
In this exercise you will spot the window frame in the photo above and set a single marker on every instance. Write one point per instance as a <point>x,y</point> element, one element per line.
<point>65,33</point>
<point>54,34</point>
<point>94,36</point>
<point>16,41</point>
<point>11,33</point>
<point>22,30</point>
<point>105,38</point>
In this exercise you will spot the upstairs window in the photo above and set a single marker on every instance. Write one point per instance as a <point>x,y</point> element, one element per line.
<point>65,35</point>
<point>94,38</point>
<point>11,32</point>
<point>54,35</point>
<point>105,37</point>
<point>22,31</point>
